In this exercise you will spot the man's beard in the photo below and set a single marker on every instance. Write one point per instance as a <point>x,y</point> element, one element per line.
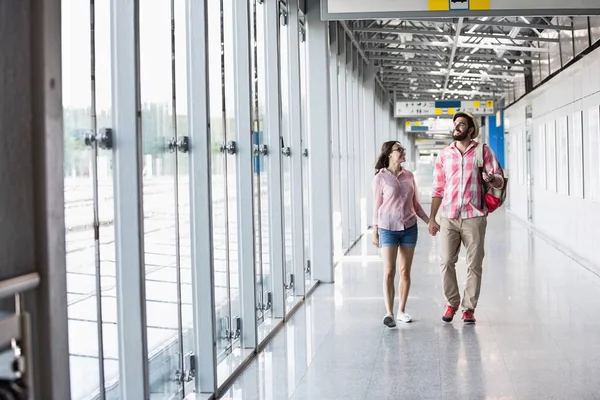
<point>460,137</point>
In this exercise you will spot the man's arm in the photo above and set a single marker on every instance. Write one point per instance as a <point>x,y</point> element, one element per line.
<point>492,169</point>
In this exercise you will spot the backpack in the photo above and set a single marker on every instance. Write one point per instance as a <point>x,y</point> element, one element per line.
<point>492,197</point>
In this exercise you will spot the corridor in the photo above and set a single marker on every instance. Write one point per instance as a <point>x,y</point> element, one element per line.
<point>535,338</point>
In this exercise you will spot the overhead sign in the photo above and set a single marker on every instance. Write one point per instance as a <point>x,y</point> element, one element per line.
<point>385,9</point>
<point>414,108</point>
<point>458,5</point>
<point>417,126</point>
<point>408,109</point>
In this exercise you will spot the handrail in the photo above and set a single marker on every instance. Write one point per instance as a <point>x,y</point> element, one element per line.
<point>13,286</point>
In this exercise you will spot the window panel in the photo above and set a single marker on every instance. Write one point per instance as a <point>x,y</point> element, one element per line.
<point>581,36</point>
<point>595,28</point>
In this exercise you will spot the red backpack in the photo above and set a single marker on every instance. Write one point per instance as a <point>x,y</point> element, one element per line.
<point>493,197</point>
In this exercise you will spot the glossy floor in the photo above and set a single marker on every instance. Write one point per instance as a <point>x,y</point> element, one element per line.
<point>536,337</point>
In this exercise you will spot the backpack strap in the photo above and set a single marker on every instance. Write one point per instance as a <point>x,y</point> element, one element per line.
<point>480,163</point>
<point>479,154</point>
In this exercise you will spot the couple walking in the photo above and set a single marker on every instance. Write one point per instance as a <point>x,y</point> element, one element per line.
<point>458,190</point>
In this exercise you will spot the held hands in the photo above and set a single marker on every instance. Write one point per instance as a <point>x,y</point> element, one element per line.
<point>434,227</point>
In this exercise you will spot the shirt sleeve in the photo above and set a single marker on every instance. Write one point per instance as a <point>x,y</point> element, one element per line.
<point>492,166</point>
<point>418,207</point>
<point>377,199</point>
<point>439,180</point>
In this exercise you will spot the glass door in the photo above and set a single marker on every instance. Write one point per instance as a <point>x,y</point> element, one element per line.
<point>218,177</point>
<point>286,162</point>
<point>162,126</point>
<point>305,154</point>
<point>233,274</point>
<point>187,373</point>
<point>261,189</point>
<point>86,83</point>
<point>223,175</point>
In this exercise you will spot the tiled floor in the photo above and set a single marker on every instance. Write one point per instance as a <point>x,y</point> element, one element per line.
<point>536,337</point>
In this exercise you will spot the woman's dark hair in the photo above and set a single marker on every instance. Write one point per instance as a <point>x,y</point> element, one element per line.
<point>383,161</point>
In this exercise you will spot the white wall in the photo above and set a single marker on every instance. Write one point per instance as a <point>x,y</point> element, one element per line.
<point>566,203</point>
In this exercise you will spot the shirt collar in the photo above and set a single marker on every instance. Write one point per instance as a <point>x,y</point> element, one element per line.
<point>385,170</point>
<point>473,144</point>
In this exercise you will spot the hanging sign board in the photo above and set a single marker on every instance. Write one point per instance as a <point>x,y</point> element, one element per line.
<point>388,9</point>
<point>404,109</point>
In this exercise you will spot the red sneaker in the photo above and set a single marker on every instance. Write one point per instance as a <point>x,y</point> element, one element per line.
<point>468,317</point>
<point>449,314</point>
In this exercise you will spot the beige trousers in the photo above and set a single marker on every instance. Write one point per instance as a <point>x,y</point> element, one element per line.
<point>471,232</point>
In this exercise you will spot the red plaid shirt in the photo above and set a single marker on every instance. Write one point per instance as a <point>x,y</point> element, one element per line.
<point>456,179</point>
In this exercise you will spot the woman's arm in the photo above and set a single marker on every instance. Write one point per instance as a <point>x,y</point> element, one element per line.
<point>377,201</point>
<point>417,204</point>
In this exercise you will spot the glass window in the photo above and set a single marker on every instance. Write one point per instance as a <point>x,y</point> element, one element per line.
<point>566,41</point>
<point>261,181</point>
<point>535,72</point>
<point>183,201</point>
<point>304,122</point>
<point>218,181</point>
<point>164,308</point>
<point>554,51</point>
<point>581,36</point>
<point>88,192</point>
<point>231,167</point>
<point>595,28</point>
<point>286,142</point>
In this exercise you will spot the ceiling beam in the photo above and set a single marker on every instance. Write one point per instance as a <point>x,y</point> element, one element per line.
<point>459,26</point>
<point>519,25</point>
<point>517,38</point>
<point>400,51</point>
<point>401,30</point>
<point>458,43</point>
<point>427,62</point>
<point>489,56</point>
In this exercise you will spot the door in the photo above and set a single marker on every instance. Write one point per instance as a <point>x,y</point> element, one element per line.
<point>529,161</point>
<point>305,154</point>
<point>261,179</point>
<point>286,162</point>
<point>88,183</point>
<point>165,199</point>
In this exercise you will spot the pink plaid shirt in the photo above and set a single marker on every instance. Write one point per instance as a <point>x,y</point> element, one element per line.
<point>456,179</point>
<point>395,200</point>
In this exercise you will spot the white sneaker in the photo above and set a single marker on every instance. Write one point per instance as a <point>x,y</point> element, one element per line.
<point>388,321</point>
<point>404,318</point>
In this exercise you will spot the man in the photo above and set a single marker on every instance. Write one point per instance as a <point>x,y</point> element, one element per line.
<point>458,189</point>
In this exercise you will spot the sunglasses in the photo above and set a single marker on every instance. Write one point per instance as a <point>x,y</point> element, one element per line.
<point>400,149</point>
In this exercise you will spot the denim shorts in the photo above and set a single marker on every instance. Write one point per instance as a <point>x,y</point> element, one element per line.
<point>405,238</point>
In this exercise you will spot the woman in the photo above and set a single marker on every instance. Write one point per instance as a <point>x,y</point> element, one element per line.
<point>395,210</point>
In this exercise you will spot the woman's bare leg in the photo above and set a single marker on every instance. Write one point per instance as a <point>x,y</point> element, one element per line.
<point>389,255</point>
<point>406,259</point>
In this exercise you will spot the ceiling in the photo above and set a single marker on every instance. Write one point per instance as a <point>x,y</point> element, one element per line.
<point>453,57</point>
